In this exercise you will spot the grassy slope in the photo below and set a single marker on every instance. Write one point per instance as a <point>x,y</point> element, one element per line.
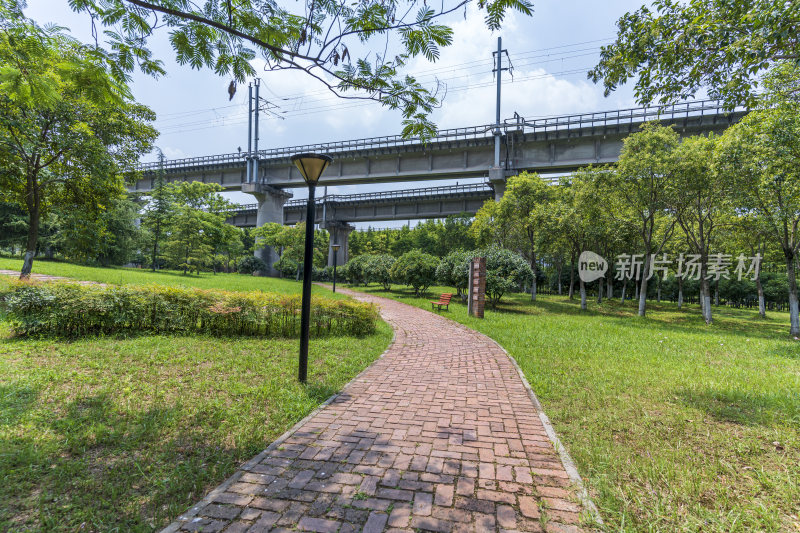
<point>123,434</point>
<point>136,276</point>
<point>676,426</point>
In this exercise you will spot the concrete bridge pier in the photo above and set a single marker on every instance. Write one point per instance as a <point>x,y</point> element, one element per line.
<point>339,233</point>
<point>497,179</point>
<point>270,209</point>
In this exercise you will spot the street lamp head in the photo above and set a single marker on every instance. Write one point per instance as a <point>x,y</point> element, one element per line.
<point>311,166</point>
<point>336,247</point>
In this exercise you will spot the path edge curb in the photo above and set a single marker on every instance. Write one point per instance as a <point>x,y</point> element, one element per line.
<point>183,518</point>
<point>566,459</point>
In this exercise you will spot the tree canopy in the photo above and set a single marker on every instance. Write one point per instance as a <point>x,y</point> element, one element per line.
<point>69,129</point>
<point>676,49</point>
<point>331,41</point>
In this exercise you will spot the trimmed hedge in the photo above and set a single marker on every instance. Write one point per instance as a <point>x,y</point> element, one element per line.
<point>73,309</point>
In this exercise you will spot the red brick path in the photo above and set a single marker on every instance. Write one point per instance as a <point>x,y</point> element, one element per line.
<point>438,435</point>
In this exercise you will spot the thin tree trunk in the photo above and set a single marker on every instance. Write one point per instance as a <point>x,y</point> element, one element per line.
<point>583,295</point>
<point>609,286</point>
<point>705,289</point>
<point>33,230</point>
<point>643,288</point>
<point>571,280</point>
<point>658,292</point>
<point>624,286</point>
<point>762,311</point>
<point>600,291</point>
<point>794,315</point>
<point>680,292</point>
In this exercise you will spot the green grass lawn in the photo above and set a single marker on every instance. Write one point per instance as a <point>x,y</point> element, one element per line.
<point>674,425</point>
<point>125,433</point>
<point>138,276</point>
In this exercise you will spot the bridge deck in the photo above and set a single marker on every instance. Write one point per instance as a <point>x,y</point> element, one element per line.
<point>579,121</point>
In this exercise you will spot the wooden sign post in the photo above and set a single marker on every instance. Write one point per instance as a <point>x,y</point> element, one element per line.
<point>477,287</point>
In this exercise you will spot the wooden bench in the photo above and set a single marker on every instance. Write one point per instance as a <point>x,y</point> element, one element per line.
<point>444,300</point>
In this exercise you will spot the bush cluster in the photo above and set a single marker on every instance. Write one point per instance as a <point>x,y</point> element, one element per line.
<point>72,310</point>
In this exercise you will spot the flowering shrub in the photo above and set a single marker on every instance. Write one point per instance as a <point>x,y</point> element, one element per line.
<point>72,310</point>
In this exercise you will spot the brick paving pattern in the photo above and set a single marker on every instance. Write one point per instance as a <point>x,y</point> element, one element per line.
<point>438,435</point>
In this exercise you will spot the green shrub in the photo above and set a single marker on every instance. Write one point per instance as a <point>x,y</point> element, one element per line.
<point>453,270</point>
<point>505,271</point>
<point>416,269</point>
<point>287,266</point>
<point>353,271</point>
<point>378,269</point>
<point>72,310</point>
<point>251,264</point>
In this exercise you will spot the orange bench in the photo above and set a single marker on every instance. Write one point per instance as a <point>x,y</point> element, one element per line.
<point>444,300</point>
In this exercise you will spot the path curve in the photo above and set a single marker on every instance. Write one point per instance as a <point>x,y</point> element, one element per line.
<point>440,434</point>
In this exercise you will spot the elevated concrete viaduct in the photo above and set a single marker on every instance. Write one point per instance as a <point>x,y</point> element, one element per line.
<point>545,145</point>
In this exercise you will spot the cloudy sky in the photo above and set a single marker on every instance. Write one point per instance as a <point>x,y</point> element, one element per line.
<point>550,51</point>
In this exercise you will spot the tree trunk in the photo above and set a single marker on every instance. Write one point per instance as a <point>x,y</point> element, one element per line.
<point>583,295</point>
<point>762,311</point>
<point>33,231</point>
<point>680,292</point>
<point>643,287</point>
<point>624,286</point>
<point>705,292</point>
<point>609,286</point>
<point>794,318</point>
<point>658,292</point>
<point>560,268</point>
<point>571,281</point>
<point>600,290</point>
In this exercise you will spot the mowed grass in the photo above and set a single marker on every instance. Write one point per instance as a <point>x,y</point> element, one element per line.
<point>138,276</point>
<point>125,433</point>
<point>674,425</point>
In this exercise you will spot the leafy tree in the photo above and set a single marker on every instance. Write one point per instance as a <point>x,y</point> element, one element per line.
<point>453,271</point>
<point>315,38</point>
<point>199,215</point>
<point>378,269</point>
<point>157,211</point>
<point>416,269</point>
<point>646,167</point>
<point>700,198</point>
<point>354,270</point>
<point>251,264</point>
<point>679,48</point>
<point>104,234</point>
<point>578,208</point>
<point>68,124</point>
<point>489,228</point>
<point>761,155</point>
<point>524,210</point>
<point>505,271</point>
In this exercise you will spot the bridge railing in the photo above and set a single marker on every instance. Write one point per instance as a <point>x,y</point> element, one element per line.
<point>617,117</point>
<point>545,124</point>
<point>406,194</point>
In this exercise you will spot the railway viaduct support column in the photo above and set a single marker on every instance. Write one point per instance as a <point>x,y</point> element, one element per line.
<point>339,233</point>
<point>270,209</point>
<point>497,179</point>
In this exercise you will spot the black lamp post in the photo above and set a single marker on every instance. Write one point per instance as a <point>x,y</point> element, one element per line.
<point>335,248</point>
<point>311,166</point>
